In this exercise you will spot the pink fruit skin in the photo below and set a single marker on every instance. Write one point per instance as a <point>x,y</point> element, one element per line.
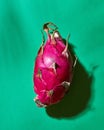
<point>52,71</point>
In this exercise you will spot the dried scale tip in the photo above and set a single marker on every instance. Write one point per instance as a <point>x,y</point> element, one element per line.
<point>65,51</point>
<point>43,37</point>
<point>39,74</point>
<point>51,30</point>
<point>66,85</point>
<point>39,104</point>
<point>49,26</point>
<point>40,52</point>
<point>53,68</point>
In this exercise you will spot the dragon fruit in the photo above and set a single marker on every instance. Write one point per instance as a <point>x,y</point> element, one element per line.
<point>53,68</point>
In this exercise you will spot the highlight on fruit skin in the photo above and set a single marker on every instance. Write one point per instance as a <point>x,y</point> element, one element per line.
<point>53,69</point>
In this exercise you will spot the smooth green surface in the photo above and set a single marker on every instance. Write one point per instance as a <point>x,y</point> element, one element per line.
<point>20,38</point>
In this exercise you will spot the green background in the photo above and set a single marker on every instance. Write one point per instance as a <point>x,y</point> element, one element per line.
<point>20,38</point>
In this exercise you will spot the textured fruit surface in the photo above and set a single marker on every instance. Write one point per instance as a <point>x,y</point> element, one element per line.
<point>53,69</point>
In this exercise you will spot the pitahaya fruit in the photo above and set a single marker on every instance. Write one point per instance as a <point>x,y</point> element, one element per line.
<point>53,68</point>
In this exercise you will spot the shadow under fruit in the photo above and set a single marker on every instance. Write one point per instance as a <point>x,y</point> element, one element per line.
<point>78,97</point>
